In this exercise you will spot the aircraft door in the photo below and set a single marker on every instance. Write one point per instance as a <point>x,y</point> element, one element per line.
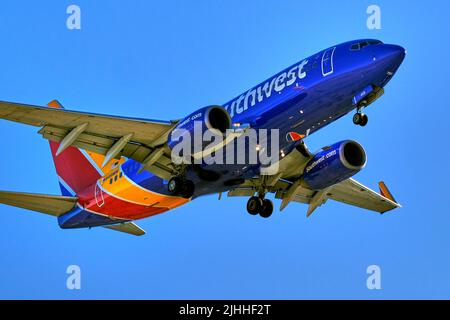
<point>327,62</point>
<point>99,198</point>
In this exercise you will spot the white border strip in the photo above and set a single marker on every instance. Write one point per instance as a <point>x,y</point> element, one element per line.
<point>92,162</point>
<point>66,186</point>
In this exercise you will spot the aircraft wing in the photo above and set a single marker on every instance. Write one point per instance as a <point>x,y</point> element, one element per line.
<point>349,192</point>
<point>138,139</point>
<point>287,187</point>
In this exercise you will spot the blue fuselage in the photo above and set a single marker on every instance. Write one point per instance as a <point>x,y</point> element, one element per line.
<point>303,98</point>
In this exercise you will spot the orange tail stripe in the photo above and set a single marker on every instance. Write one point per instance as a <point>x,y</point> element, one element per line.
<point>124,189</point>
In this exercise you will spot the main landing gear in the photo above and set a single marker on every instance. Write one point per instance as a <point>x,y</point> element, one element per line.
<point>261,206</point>
<point>360,118</point>
<point>180,187</point>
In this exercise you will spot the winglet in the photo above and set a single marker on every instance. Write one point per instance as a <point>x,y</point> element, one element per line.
<point>55,104</point>
<point>384,191</point>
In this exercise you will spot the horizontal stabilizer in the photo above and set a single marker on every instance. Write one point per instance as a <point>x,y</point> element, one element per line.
<point>52,205</point>
<point>127,227</point>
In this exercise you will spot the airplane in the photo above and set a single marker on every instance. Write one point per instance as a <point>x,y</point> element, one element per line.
<point>114,170</point>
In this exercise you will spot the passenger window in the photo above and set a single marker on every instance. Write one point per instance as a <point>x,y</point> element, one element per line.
<point>121,175</point>
<point>110,181</point>
<point>115,178</point>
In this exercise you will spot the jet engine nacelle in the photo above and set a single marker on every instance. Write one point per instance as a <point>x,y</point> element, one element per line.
<point>192,128</point>
<point>334,164</point>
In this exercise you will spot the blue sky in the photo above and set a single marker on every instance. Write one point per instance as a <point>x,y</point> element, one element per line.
<point>163,60</point>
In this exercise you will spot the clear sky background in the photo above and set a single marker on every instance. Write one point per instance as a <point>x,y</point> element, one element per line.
<point>165,59</point>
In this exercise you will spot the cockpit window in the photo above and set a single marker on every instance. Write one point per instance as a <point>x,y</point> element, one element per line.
<point>362,44</point>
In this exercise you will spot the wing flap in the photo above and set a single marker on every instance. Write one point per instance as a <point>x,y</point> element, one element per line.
<point>242,192</point>
<point>100,134</point>
<point>349,192</point>
<point>48,204</point>
<point>354,193</point>
<point>146,131</point>
<point>95,143</point>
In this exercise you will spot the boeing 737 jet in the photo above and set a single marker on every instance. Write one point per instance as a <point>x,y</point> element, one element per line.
<point>113,170</point>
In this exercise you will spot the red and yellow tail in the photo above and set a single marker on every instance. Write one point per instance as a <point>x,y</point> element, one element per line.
<point>76,168</point>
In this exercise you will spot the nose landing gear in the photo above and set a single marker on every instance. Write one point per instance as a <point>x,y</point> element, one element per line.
<point>261,206</point>
<point>360,119</point>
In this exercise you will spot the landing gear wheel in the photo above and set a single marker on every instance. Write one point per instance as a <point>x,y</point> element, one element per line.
<point>174,186</point>
<point>267,209</point>
<point>187,189</point>
<point>180,187</point>
<point>357,118</point>
<point>254,205</point>
<point>364,120</point>
<point>360,119</point>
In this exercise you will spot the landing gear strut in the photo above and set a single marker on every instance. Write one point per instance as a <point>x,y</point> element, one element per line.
<point>261,206</point>
<point>179,187</point>
<point>360,118</point>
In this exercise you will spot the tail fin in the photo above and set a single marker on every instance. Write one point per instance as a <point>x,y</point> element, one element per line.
<point>76,168</point>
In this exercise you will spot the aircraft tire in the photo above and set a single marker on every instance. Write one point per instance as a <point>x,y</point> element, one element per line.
<point>357,118</point>
<point>364,120</point>
<point>254,205</point>
<point>267,209</point>
<point>174,186</point>
<point>188,189</point>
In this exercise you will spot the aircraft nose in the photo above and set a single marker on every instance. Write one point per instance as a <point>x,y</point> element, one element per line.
<point>398,54</point>
<point>391,54</point>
